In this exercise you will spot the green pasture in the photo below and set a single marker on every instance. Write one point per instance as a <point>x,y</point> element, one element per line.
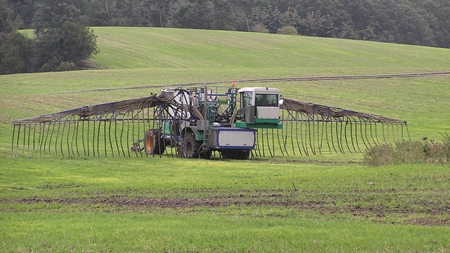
<point>323,203</point>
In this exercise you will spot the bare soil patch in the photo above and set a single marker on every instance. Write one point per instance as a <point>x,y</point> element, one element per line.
<point>431,213</point>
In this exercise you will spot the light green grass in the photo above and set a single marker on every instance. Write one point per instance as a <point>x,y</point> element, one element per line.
<point>397,195</point>
<point>343,205</point>
<point>244,231</point>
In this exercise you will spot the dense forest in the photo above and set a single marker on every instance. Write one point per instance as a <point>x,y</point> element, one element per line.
<point>415,22</point>
<point>419,22</point>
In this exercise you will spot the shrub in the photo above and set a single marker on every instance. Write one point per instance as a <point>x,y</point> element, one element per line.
<point>405,152</point>
<point>290,30</point>
<point>437,152</point>
<point>408,152</point>
<point>260,28</point>
<point>379,155</point>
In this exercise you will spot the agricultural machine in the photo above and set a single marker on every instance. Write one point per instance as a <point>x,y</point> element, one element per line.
<point>200,122</point>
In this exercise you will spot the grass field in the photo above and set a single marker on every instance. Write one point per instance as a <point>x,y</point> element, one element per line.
<point>326,203</point>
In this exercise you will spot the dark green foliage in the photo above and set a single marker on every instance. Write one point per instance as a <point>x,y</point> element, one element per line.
<point>98,14</point>
<point>78,42</point>
<point>22,12</point>
<point>316,24</point>
<point>61,41</point>
<point>15,53</point>
<point>222,18</point>
<point>64,50</point>
<point>51,15</point>
<point>418,22</point>
<point>194,15</point>
<point>6,25</point>
<point>123,13</point>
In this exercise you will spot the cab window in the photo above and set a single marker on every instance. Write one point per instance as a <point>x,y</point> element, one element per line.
<point>266,99</point>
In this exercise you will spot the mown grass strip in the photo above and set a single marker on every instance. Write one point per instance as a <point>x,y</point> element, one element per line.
<point>234,230</point>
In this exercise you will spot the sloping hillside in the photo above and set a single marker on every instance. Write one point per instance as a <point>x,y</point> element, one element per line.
<point>155,57</point>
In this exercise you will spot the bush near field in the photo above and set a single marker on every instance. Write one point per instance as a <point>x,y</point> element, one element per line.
<point>404,152</point>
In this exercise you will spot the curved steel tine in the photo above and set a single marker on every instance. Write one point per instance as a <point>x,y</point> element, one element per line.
<point>341,136</point>
<point>303,134</point>
<point>407,130</point>
<point>109,134</point>
<point>311,135</point>
<point>71,133</point>
<point>289,133</point>
<point>393,132</point>
<point>273,141</point>
<point>268,143</point>
<point>133,134</point>
<point>284,137</point>
<point>296,132</point>
<point>83,143</point>
<point>40,139</point>
<point>373,125</point>
<point>99,121</point>
<point>94,132</point>
<point>12,140</point>
<point>354,134</point>
<point>365,123</point>
<point>116,139</point>
<point>29,139</point>
<point>327,123</point>
<point>278,139</point>
<point>384,136</point>
<point>346,123</point>
<point>290,137</point>
<point>127,134</point>
<point>139,132</point>
<point>18,138</point>
<point>123,134</point>
<point>320,129</point>
<point>62,137</point>
<point>333,122</point>
<point>75,138</point>
<point>24,139</point>
<point>261,133</point>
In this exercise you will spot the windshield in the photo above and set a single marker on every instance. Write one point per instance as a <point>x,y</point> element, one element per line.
<point>266,99</point>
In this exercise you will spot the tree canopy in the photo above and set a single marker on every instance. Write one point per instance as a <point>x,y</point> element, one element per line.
<point>61,41</point>
<point>416,22</point>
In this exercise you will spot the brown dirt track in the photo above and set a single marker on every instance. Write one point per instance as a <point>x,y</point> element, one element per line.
<point>430,213</point>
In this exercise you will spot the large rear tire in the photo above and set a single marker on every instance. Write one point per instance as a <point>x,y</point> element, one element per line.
<point>153,143</point>
<point>191,147</point>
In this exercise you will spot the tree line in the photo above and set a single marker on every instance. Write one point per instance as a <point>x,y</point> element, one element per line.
<point>60,40</point>
<point>415,22</point>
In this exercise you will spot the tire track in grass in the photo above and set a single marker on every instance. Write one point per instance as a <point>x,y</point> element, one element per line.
<point>433,212</point>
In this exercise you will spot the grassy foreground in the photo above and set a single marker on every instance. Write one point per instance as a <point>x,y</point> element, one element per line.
<point>327,203</point>
<point>179,205</point>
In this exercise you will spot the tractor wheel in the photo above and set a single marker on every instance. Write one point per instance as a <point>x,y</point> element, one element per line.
<point>190,146</point>
<point>153,143</point>
<point>205,155</point>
